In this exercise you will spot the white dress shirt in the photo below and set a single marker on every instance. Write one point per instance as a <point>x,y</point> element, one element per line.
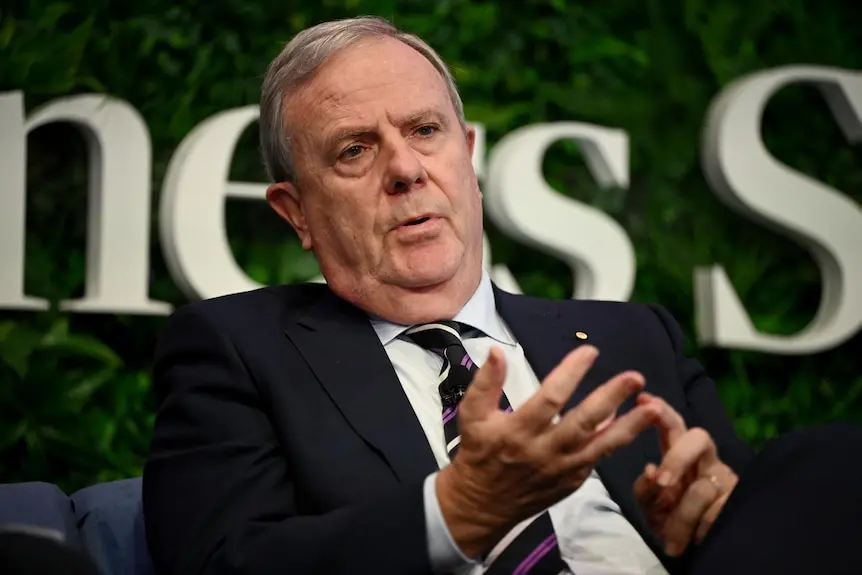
<point>593,536</point>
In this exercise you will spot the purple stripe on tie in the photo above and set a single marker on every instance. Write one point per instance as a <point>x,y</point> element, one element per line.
<point>508,409</point>
<point>536,556</point>
<point>449,413</point>
<point>465,360</point>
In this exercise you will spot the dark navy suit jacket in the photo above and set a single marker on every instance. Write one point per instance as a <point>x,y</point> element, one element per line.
<point>284,443</point>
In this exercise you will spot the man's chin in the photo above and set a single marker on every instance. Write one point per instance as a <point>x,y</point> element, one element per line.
<point>425,283</point>
<point>427,266</point>
<point>449,281</point>
<point>419,296</point>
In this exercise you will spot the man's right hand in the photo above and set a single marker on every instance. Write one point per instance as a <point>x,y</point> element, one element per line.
<point>511,466</point>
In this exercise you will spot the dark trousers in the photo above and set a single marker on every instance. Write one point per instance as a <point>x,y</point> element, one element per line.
<point>796,509</point>
<point>27,554</point>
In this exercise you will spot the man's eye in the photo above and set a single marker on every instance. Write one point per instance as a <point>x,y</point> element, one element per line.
<point>426,130</point>
<point>352,152</point>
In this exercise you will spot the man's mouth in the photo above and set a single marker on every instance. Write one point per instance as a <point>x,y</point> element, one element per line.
<point>417,221</point>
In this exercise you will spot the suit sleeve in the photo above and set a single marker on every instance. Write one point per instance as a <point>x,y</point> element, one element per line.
<point>704,404</point>
<point>218,493</point>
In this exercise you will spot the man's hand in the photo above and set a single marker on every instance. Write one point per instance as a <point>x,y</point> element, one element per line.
<point>682,497</point>
<point>511,466</point>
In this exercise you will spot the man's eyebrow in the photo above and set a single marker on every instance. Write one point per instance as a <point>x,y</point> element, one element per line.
<point>335,138</point>
<point>347,133</point>
<point>421,116</point>
<point>353,132</point>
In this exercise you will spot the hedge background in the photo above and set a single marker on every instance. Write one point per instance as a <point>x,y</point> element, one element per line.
<point>75,404</point>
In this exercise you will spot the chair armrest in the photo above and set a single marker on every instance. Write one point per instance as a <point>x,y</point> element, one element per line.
<point>39,506</point>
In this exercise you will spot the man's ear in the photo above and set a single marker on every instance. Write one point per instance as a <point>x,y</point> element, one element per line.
<point>470,133</point>
<point>284,198</point>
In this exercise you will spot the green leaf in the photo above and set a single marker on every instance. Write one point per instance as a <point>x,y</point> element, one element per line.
<point>85,387</point>
<point>7,31</point>
<point>59,340</point>
<point>17,344</point>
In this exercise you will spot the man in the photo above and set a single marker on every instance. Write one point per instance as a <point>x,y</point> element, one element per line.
<point>346,428</point>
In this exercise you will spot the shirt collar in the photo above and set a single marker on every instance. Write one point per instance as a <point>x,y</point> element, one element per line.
<point>479,312</point>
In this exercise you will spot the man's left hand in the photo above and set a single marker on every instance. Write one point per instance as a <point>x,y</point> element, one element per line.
<point>683,495</point>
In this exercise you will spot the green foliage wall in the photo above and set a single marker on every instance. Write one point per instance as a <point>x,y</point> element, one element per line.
<point>75,403</point>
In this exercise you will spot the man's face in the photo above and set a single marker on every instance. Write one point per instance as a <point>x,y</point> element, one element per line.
<point>386,195</point>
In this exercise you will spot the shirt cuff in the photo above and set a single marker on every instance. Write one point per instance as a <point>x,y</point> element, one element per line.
<point>444,553</point>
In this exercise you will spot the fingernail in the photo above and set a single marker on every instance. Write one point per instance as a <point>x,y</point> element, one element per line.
<point>664,479</point>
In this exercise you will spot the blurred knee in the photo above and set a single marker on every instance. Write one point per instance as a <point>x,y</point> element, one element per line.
<point>819,441</point>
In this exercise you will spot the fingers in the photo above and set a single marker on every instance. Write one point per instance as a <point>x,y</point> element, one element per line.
<point>685,519</point>
<point>621,432</point>
<point>648,494</point>
<point>538,411</point>
<point>605,400</point>
<point>709,518</point>
<point>695,449</point>
<point>671,424</point>
<point>646,489</point>
<point>483,395</point>
<point>674,518</point>
<point>594,413</point>
<point>727,481</point>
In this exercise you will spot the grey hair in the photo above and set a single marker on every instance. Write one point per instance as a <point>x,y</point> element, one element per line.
<point>297,64</point>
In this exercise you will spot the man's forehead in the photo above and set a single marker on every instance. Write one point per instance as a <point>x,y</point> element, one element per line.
<point>380,76</point>
<point>380,55</point>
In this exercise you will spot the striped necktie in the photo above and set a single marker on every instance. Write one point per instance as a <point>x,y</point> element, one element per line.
<point>534,549</point>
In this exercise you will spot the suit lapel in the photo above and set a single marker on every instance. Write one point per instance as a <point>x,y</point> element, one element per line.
<point>547,332</point>
<point>341,347</point>
<point>545,336</point>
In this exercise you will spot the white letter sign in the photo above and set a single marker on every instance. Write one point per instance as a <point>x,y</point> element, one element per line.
<point>118,216</point>
<point>192,208</point>
<point>520,201</point>
<point>749,180</point>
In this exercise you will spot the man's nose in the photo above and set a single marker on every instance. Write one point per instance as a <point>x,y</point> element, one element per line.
<point>405,169</point>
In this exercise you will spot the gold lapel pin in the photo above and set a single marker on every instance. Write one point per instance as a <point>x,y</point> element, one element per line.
<point>580,335</point>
